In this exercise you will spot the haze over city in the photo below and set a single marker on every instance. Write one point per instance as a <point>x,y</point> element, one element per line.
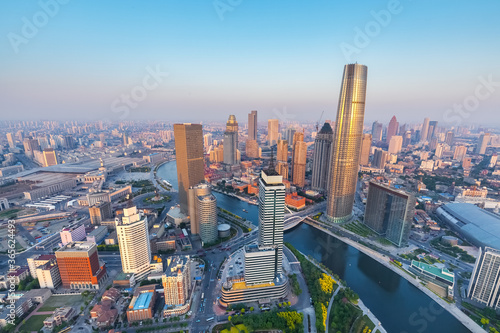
<point>221,58</point>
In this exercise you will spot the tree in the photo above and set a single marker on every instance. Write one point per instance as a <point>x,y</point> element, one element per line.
<point>242,310</point>
<point>251,308</point>
<point>229,318</point>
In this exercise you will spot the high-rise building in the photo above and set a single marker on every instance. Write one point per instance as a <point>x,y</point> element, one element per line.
<point>377,131</point>
<point>347,143</point>
<point>460,152</point>
<point>176,281</point>
<point>407,138</point>
<point>282,151</point>
<point>321,159</point>
<point>389,212</point>
<point>189,159</point>
<point>484,139</point>
<point>231,141</point>
<point>440,149</point>
<point>392,129</point>
<point>425,130</point>
<point>484,286</point>
<point>207,140</point>
<point>289,134</point>
<point>30,145</point>
<point>38,260</point>
<point>366,146</point>
<point>299,160</point>
<point>395,144</point>
<point>49,157</point>
<point>263,263</point>
<point>72,234</point>
<point>379,158</point>
<point>282,169</point>
<point>273,128</point>
<point>99,212</point>
<point>203,213</point>
<point>133,240</point>
<point>432,131</point>
<point>79,266</point>
<point>11,141</point>
<point>48,275</point>
<point>252,125</point>
<point>450,136</point>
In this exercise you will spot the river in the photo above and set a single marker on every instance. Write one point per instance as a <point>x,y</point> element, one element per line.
<point>400,306</point>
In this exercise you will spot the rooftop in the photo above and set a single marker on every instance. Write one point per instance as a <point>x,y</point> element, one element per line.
<point>442,273</point>
<point>77,246</point>
<point>143,301</point>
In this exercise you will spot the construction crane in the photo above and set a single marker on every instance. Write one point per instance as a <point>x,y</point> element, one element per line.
<point>319,121</point>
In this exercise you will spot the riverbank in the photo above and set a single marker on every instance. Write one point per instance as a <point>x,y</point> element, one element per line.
<point>385,261</point>
<point>247,200</point>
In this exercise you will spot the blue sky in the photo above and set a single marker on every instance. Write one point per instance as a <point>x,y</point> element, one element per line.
<point>254,55</point>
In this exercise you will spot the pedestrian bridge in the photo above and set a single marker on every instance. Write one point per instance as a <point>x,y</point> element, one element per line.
<point>292,222</point>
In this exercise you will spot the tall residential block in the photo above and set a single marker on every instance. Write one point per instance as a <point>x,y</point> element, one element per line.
<point>389,212</point>
<point>347,143</point>
<point>176,280</point>
<point>432,131</point>
<point>425,130</point>
<point>79,266</point>
<point>482,143</point>
<point>321,159</point>
<point>396,144</point>
<point>189,159</point>
<point>231,141</point>
<point>377,130</point>
<point>484,286</point>
<point>366,146</point>
<point>273,129</point>
<point>392,129</point>
<point>100,211</point>
<point>11,140</point>
<point>299,160</point>
<point>133,240</point>
<point>203,213</point>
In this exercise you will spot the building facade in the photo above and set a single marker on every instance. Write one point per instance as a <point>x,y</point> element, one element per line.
<point>231,141</point>
<point>321,160</point>
<point>203,213</point>
<point>484,285</point>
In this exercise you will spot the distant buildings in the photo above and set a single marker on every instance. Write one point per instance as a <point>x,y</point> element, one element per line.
<point>282,158</point>
<point>79,266</point>
<point>203,213</point>
<point>395,144</point>
<point>321,159</point>
<point>392,129</point>
<point>377,130</point>
<point>389,212</point>
<point>364,154</point>
<point>347,143</point>
<point>49,157</point>
<point>189,159</point>
<point>252,125</point>
<point>176,283</point>
<point>484,286</point>
<point>133,239</point>
<point>425,130</point>
<point>459,153</point>
<point>273,129</point>
<point>482,143</point>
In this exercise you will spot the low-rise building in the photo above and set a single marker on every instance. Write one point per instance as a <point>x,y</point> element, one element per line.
<point>142,305</point>
<point>104,314</point>
<point>439,280</point>
<point>60,315</point>
<point>98,234</point>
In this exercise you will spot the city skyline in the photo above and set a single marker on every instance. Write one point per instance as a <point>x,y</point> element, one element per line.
<point>52,66</point>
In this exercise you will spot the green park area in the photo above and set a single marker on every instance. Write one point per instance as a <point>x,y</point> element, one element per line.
<point>34,323</point>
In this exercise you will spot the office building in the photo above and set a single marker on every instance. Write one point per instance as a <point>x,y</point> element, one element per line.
<point>273,128</point>
<point>231,141</point>
<point>425,130</point>
<point>176,282</point>
<point>299,160</point>
<point>203,213</point>
<point>459,153</point>
<point>377,131</point>
<point>252,125</point>
<point>73,234</point>
<point>482,144</point>
<point>189,159</point>
<point>99,212</point>
<point>133,240</point>
<point>79,266</point>
<point>389,212</point>
<point>396,144</point>
<point>364,153</point>
<point>347,143</point>
<point>484,286</point>
<point>392,129</point>
<point>321,159</point>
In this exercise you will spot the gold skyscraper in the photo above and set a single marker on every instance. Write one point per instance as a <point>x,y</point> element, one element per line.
<point>347,143</point>
<point>189,159</point>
